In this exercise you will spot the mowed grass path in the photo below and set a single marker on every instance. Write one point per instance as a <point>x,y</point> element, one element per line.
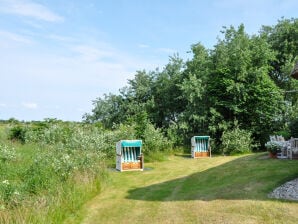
<point>208,190</point>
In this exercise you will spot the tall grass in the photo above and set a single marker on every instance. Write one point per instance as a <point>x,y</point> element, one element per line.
<point>49,169</point>
<point>42,179</point>
<point>45,185</point>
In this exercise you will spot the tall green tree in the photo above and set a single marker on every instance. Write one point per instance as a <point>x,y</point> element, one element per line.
<point>239,86</point>
<point>108,110</point>
<point>194,118</point>
<point>168,103</point>
<point>283,40</point>
<point>242,80</point>
<point>138,93</point>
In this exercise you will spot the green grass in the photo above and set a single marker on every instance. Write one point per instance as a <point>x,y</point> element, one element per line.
<point>35,194</point>
<point>184,190</point>
<point>177,190</point>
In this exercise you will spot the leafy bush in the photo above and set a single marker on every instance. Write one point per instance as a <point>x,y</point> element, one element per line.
<point>17,133</point>
<point>155,140</point>
<point>175,135</point>
<point>88,137</point>
<point>73,136</point>
<point>49,133</point>
<point>236,141</point>
<point>92,138</point>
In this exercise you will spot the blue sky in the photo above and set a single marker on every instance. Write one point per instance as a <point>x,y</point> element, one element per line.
<point>56,57</point>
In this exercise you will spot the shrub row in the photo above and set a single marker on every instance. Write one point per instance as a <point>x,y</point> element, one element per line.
<point>86,137</point>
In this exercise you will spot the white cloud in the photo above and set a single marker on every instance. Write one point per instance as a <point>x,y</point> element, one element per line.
<point>34,23</point>
<point>3,105</point>
<point>143,46</point>
<point>60,38</point>
<point>79,72</point>
<point>90,53</point>
<point>14,37</point>
<point>29,105</point>
<point>29,9</point>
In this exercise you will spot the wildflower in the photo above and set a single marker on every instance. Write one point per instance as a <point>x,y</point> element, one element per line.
<point>5,182</point>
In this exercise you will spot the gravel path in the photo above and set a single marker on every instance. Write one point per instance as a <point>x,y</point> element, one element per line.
<point>288,191</point>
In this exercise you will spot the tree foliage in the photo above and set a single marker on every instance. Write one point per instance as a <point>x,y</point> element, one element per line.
<point>283,40</point>
<point>243,78</point>
<point>240,87</point>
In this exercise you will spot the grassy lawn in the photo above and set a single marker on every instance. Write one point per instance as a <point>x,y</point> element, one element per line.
<point>184,190</point>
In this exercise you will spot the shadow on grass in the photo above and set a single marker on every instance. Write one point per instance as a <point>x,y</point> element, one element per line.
<point>247,177</point>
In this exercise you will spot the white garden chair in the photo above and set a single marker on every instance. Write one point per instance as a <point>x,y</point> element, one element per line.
<point>293,148</point>
<point>272,138</point>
